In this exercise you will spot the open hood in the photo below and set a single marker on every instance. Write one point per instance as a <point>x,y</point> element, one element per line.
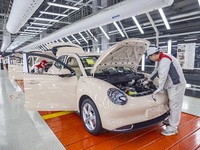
<point>127,53</point>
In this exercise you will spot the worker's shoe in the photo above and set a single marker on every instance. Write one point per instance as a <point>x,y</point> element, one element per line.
<point>166,122</point>
<point>168,131</point>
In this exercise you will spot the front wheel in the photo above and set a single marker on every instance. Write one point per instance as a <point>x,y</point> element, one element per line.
<point>90,117</point>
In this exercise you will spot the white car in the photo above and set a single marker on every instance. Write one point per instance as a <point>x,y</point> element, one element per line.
<point>15,68</point>
<point>105,89</point>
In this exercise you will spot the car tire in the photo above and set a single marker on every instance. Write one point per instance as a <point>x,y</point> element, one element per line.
<point>90,117</point>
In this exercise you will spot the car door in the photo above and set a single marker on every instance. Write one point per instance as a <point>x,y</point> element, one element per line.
<point>50,91</point>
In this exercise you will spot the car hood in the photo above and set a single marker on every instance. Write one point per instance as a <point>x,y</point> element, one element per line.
<point>127,53</point>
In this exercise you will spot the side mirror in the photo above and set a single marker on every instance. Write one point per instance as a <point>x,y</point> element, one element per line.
<point>64,73</point>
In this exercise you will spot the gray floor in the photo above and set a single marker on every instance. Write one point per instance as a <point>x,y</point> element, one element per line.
<point>19,129</point>
<point>191,105</point>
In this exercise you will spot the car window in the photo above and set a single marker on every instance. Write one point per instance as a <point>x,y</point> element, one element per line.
<point>62,59</point>
<point>88,62</point>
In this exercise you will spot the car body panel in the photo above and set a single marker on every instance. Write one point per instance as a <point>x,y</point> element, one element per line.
<point>47,92</point>
<point>127,53</point>
<point>137,109</point>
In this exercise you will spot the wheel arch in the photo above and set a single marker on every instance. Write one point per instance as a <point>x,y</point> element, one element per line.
<point>82,98</point>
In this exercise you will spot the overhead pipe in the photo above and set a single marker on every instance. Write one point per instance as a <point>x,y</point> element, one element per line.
<point>6,40</point>
<point>122,10</point>
<point>21,11</point>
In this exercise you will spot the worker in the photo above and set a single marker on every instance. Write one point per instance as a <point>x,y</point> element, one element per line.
<point>39,68</point>
<point>172,80</point>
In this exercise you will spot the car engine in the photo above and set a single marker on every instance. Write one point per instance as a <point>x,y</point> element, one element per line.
<point>132,83</point>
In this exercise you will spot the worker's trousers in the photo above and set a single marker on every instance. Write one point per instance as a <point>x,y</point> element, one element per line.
<point>175,94</point>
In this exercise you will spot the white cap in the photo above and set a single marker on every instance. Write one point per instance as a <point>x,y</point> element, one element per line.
<point>151,50</point>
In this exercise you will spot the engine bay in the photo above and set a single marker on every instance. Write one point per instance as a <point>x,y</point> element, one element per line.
<point>132,83</point>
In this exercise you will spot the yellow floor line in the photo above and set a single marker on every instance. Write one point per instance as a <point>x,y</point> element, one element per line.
<point>56,114</point>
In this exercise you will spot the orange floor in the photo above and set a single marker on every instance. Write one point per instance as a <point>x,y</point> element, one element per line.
<point>70,131</point>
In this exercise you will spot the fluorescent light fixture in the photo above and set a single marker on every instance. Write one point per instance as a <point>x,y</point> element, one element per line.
<point>76,40</point>
<point>164,18</point>
<point>188,85</point>
<point>137,24</point>
<point>26,34</point>
<point>63,6</point>
<point>199,2</point>
<point>120,31</point>
<point>38,47</point>
<point>83,37</point>
<point>68,40</point>
<point>44,47</point>
<point>98,50</point>
<point>188,40</point>
<point>29,33</point>
<point>61,40</point>
<point>54,14</point>
<point>45,19</point>
<point>104,33</point>
<point>40,24</point>
<point>39,28</point>
<point>33,30</point>
<point>92,35</point>
<point>143,62</point>
<point>169,50</point>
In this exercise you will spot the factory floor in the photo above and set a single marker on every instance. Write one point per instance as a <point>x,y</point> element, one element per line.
<point>22,130</point>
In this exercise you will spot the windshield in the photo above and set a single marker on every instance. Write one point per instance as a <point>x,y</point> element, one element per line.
<point>88,62</point>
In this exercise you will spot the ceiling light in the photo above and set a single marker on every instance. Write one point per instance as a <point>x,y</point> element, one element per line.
<point>45,19</point>
<point>188,40</point>
<point>54,14</point>
<point>40,24</point>
<point>169,51</point>
<point>92,35</point>
<point>104,33</point>
<point>33,30</point>
<point>83,38</point>
<point>143,62</point>
<point>63,6</point>
<point>40,28</point>
<point>76,40</point>
<point>164,18</point>
<point>26,35</point>
<point>199,2</point>
<point>120,31</point>
<point>29,33</point>
<point>137,24</point>
<point>44,47</point>
<point>68,40</point>
<point>61,40</point>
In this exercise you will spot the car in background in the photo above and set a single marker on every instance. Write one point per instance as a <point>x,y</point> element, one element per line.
<point>15,68</point>
<point>105,89</point>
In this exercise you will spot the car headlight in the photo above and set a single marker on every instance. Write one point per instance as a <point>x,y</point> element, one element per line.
<point>117,96</point>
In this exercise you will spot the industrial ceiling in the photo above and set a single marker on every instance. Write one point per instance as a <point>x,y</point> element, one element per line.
<point>183,17</point>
